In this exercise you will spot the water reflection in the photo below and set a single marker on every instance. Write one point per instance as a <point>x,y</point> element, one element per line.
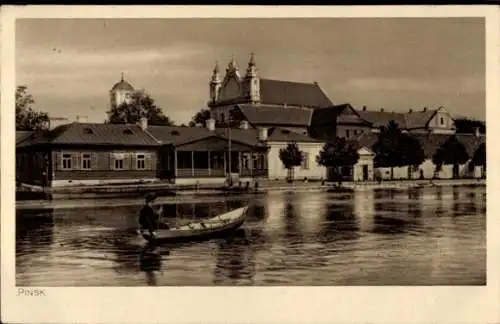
<point>235,263</point>
<point>290,238</point>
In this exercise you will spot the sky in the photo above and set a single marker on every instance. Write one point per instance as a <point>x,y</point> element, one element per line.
<point>69,65</point>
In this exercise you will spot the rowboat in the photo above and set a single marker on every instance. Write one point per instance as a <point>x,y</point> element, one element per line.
<point>201,229</point>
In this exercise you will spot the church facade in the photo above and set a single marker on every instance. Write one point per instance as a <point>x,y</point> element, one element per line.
<point>260,102</point>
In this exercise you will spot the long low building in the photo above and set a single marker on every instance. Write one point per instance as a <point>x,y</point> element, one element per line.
<point>88,154</point>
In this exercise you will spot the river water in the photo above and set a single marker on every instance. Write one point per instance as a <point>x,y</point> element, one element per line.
<point>426,236</point>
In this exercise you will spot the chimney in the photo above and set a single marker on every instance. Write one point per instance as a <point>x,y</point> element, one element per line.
<point>262,134</point>
<point>476,130</point>
<point>143,123</point>
<point>211,124</point>
<point>364,108</point>
<point>284,105</point>
<point>410,111</point>
<point>425,109</point>
<point>244,124</point>
<point>381,109</point>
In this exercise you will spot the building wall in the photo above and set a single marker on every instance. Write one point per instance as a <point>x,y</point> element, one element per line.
<point>365,159</point>
<point>101,168</point>
<point>351,131</point>
<point>442,123</point>
<point>312,171</point>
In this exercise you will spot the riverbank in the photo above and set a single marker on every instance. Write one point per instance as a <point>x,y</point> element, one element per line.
<point>216,194</point>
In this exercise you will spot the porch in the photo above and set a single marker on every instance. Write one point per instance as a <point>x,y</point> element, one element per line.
<point>213,164</point>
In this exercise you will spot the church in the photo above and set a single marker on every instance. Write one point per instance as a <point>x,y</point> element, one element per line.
<point>263,102</point>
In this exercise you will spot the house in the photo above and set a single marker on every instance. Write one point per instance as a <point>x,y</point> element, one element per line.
<point>278,138</point>
<point>363,170</point>
<point>345,121</point>
<point>84,153</point>
<point>430,143</point>
<point>263,102</point>
<point>191,155</point>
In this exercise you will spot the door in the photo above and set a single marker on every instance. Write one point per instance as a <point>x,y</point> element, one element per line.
<point>365,172</point>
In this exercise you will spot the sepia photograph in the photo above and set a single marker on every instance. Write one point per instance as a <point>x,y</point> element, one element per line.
<point>249,151</point>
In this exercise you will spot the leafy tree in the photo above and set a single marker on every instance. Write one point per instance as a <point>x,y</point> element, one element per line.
<point>396,149</point>
<point>141,105</point>
<point>27,119</point>
<point>200,118</point>
<point>336,154</point>
<point>452,151</point>
<point>479,158</point>
<point>412,152</point>
<point>291,156</point>
<point>468,126</point>
<point>387,148</point>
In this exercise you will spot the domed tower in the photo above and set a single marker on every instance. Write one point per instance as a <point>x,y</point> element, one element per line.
<point>121,93</point>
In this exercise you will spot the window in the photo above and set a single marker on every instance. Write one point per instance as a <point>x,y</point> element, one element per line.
<point>66,162</point>
<point>127,132</point>
<point>305,160</point>
<point>355,132</point>
<point>442,121</point>
<point>118,161</point>
<point>88,131</point>
<point>86,161</point>
<point>347,133</point>
<point>140,162</point>
<point>222,117</point>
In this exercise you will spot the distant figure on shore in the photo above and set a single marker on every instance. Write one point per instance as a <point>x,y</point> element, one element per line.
<point>149,219</point>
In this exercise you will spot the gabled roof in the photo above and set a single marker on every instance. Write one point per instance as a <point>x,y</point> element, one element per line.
<point>408,120</point>
<point>343,113</point>
<point>22,136</point>
<point>93,134</point>
<point>278,134</point>
<point>177,135</point>
<point>276,115</point>
<point>278,92</point>
<point>419,119</point>
<point>382,118</point>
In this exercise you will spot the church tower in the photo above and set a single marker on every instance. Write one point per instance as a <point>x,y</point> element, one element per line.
<point>252,81</point>
<point>215,84</point>
<point>121,93</point>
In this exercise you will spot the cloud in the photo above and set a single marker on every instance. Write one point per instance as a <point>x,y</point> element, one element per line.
<point>47,57</point>
<point>468,84</point>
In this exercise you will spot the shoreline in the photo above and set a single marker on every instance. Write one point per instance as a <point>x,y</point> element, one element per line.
<point>216,194</point>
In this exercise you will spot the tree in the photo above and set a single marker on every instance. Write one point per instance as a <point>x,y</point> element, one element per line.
<point>141,105</point>
<point>452,151</point>
<point>479,158</point>
<point>469,126</point>
<point>396,149</point>
<point>201,117</point>
<point>412,152</point>
<point>387,147</point>
<point>291,156</point>
<point>27,119</point>
<point>336,154</point>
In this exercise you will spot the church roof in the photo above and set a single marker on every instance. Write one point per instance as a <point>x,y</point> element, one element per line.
<point>278,92</point>
<point>276,115</point>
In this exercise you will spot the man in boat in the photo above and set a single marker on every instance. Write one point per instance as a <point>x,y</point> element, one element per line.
<point>149,219</point>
